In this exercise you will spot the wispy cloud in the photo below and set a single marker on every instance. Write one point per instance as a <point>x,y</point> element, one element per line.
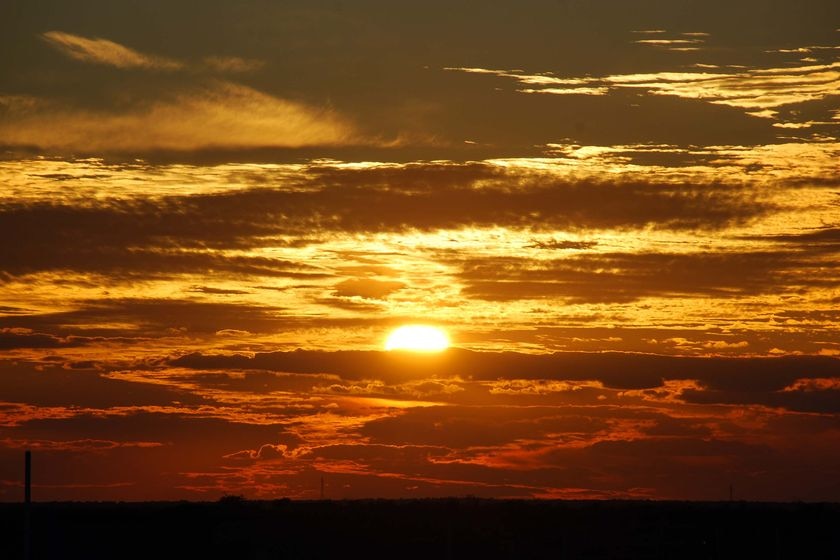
<point>753,89</point>
<point>197,112</point>
<point>103,51</point>
<point>96,50</point>
<point>222,114</point>
<point>233,64</point>
<point>659,38</point>
<point>757,91</point>
<point>543,83</point>
<point>625,277</point>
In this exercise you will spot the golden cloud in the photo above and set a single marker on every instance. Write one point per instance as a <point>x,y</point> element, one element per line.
<point>756,91</point>
<point>233,64</point>
<point>109,53</point>
<point>222,114</point>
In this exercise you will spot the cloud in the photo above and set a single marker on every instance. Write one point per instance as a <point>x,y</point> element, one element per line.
<point>150,312</point>
<point>612,369</point>
<point>554,244</point>
<point>545,82</point>
<point>313,255</point>
<point>729,164</point>
<point>233,64</point>
<point>161,236</point>
<point>109,53</point>
<point>624,277</point>
<point>367,288</point>
<point>824,400</point>
<point>677,42</point>
<point>11,338</point>
<point>82,445</point>
<point>429,389</point>
<point>518,424</point>
<point>756,91</point>
<point>538,387</point>
<point>233,332</point>
<point>127,263</point>
<point>144,317</point>
<point>266,452</point>
<point>187,112</point>
<point>673,44</point>
<point>53,386</point>
<point>152,468</point>
<point>221,114</point>
<point>459,427</point>
<point>217,291</point>
<point>824,240</point>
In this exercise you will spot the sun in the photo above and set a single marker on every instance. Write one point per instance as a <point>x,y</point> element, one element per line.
<point>419,338</point>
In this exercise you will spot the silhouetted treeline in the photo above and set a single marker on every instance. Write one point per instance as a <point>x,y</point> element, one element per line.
<point>441,528</point>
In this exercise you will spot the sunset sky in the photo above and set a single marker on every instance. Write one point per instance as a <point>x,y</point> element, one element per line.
<point>625,215</point>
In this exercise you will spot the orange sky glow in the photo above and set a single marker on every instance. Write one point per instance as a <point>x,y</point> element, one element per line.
<point>624,219</point>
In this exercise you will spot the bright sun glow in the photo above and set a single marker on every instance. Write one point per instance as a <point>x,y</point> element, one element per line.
<point>419,338</point>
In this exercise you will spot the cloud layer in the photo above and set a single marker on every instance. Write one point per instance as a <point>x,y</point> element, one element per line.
<point>625,216</point>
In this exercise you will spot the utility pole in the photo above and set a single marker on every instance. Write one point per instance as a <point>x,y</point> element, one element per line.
<point>322,487</point>
<point>27,506</point>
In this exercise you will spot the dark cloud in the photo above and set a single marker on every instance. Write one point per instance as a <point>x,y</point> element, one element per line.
<point>558,436</point>
<point>153,318</point>
<point>139,320</point>
<point>563,244</point>
<point>625,277</point>
<point>257,382</point>
<point>217,291</point>
<point>367,288</point>
<point>824,240</point>
<point>11,338</point>
<point>674,448</point>
<point>816,316</point>
<point>183,445</point>
<point>446,196</point>
<point>141,238</point>
<point>670,426</point>
<point>211,435</point>
<point>459,427</point>
<point>172,235</point>
<point>349,304</point>
<point>820,401</point>
<point>56,387</point>
<point>673,335</point>
<point>614,369</point>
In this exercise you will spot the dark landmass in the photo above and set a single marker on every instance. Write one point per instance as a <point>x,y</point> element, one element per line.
<point>438,528</point>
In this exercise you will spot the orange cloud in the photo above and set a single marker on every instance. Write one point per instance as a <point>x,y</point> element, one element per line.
<point>367,288</point>
<point>233,64</point>
<point>814,384</point>
<point>109,53</point>
<point>756,91</point>
<point>222,114</point>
